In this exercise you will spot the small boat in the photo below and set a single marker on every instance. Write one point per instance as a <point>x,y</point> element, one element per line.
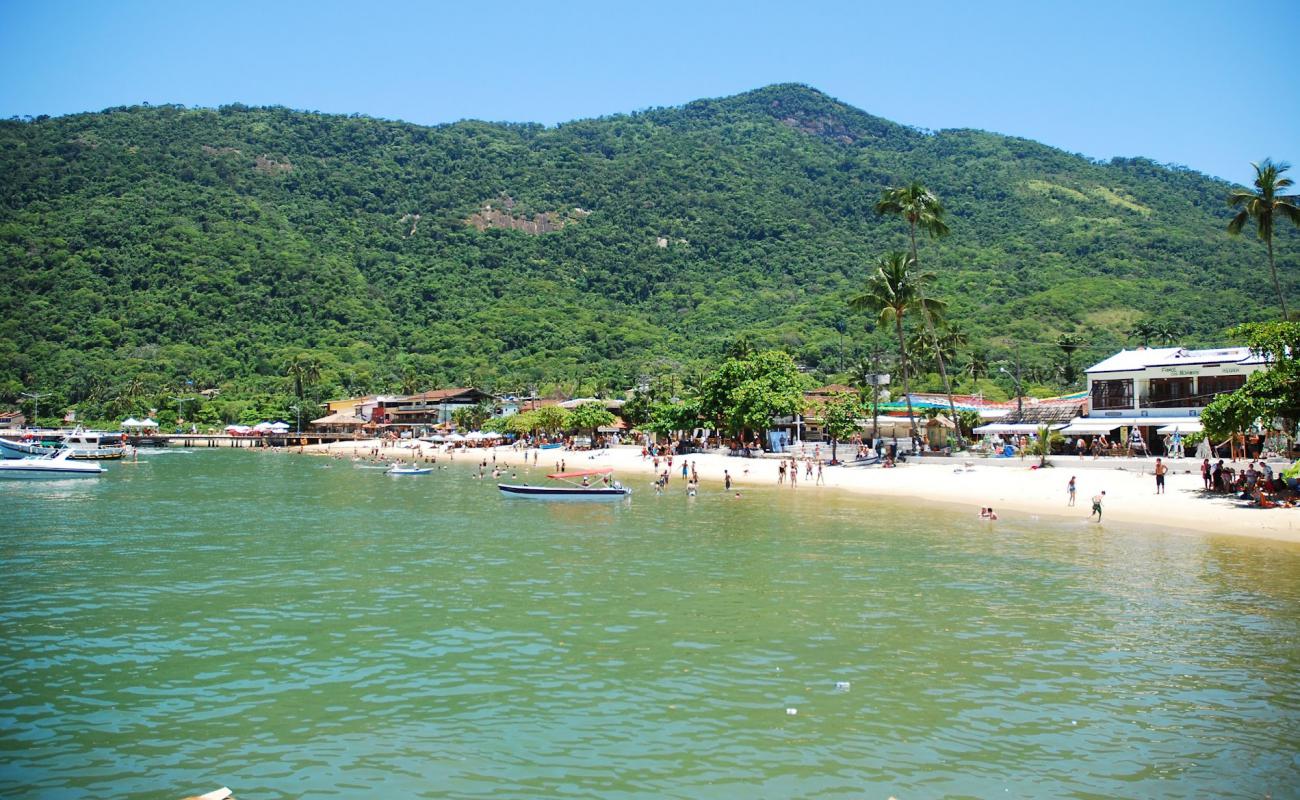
<point>398,469</point>
<point>550,446</point>
<point>584,489</point>
<point>54,465</point>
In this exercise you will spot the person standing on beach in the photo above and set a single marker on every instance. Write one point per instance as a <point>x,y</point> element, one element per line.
<point>780,473</point>
<point>1072,489</point>
<point>726,480</point>
<point>821,479</point>
<point>1096,505</point>
<point>1161,469</point>
<point>1205,474</point>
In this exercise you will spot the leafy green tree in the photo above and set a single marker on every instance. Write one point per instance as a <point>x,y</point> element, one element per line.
<point>590,417</point>
<point>744,395</point>
<point>551,419</point>
<point>840,418</point>
<point>666,418</point>
<point>891,291</point>
<point>1261,206</point>
<point>922,209</point>
<point>1268,395</point>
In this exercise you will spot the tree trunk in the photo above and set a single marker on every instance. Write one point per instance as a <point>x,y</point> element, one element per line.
<point>934,340</point>
<point>1277,287</point>
<point>902,357</point>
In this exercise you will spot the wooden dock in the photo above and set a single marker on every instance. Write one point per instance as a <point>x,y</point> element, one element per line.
<point>291,439</point>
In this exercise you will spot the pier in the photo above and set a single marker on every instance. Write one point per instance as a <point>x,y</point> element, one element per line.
<point>292,439</point>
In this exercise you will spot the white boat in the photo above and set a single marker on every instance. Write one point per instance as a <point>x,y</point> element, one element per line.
<point>54,465</point>
<point>88,445</point>
<point>584,489</point>
<point>398,469</point>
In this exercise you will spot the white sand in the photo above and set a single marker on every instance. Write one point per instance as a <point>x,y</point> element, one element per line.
<point>1012,490</point>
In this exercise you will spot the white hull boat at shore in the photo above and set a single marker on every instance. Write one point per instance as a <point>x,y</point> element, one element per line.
<point>56,465</point>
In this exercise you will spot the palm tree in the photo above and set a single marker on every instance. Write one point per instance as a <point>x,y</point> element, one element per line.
<point>1261,206</point>
<point>977,366</point>
<point>1069,343</point>
<point>304,370</point>
<point>922,209</point>
<point>1150,332</point>
<point>894,288</point>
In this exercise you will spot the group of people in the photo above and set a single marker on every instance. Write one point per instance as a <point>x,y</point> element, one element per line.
<point>790,468</point>
<point>1257,482</point>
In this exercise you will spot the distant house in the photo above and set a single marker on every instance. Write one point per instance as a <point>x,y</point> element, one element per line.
<point>434,407</point>
<point>10,420</point>
<point>350,406</point>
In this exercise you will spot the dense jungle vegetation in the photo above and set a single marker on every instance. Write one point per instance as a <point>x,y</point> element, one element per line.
<point>152,252</point>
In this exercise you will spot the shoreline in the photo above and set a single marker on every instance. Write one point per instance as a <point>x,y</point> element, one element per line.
<point>1011,490</point>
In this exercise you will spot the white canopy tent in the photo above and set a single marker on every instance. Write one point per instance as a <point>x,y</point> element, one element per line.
<point>148,422</point>
<point>1014,428</point>
<point>1191,426</point>
<point>131,422</point>
<point>1090,427</point>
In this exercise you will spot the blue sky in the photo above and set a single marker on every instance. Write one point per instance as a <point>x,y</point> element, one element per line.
<point>1194,82</point>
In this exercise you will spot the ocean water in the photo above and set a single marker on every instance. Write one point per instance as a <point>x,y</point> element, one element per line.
<point>292,627</point>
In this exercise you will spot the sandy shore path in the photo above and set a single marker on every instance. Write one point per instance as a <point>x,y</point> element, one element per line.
<point>1011,489</point>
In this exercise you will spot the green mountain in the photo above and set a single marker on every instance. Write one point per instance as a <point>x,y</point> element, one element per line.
<point>155,250</point>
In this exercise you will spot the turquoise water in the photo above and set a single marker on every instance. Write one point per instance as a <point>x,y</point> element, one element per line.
<point>294,627</point>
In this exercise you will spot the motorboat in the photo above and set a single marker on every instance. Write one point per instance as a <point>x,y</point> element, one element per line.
<point>399,469</point>
<point>572,486</point>
<point>54,465</point>
<point>84,444</point>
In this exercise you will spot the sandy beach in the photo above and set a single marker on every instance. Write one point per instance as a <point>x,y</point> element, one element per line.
<point>1013,489</point>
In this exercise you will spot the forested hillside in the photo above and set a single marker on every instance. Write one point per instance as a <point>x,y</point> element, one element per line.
<point>151,251</point>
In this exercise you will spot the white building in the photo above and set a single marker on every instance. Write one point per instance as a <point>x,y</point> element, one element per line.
<point>1160,389</point>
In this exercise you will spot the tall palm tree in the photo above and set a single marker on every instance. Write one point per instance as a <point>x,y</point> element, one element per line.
<point>1261,206</point>
<point>922,209</point>
<point>891,291</point>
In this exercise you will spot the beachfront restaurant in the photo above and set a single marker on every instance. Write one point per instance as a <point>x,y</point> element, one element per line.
<point>1160,392</point>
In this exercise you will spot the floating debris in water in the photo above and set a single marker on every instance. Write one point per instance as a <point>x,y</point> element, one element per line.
<point>842,686</point>
<point>790,712</point>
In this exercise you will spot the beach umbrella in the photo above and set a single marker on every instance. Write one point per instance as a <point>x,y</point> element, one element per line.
<point>456,437</point>
<point>279,427</point>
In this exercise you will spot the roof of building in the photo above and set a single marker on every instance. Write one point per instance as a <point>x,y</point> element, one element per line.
<point>448,394</point>
<point>1148,357</point>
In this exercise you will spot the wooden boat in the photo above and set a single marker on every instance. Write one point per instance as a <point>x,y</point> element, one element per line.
<point>575,486</point>
<point>54,465</point>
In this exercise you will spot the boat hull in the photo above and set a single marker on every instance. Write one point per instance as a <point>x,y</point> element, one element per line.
<point>19,470</point>
<point>564,493</point>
